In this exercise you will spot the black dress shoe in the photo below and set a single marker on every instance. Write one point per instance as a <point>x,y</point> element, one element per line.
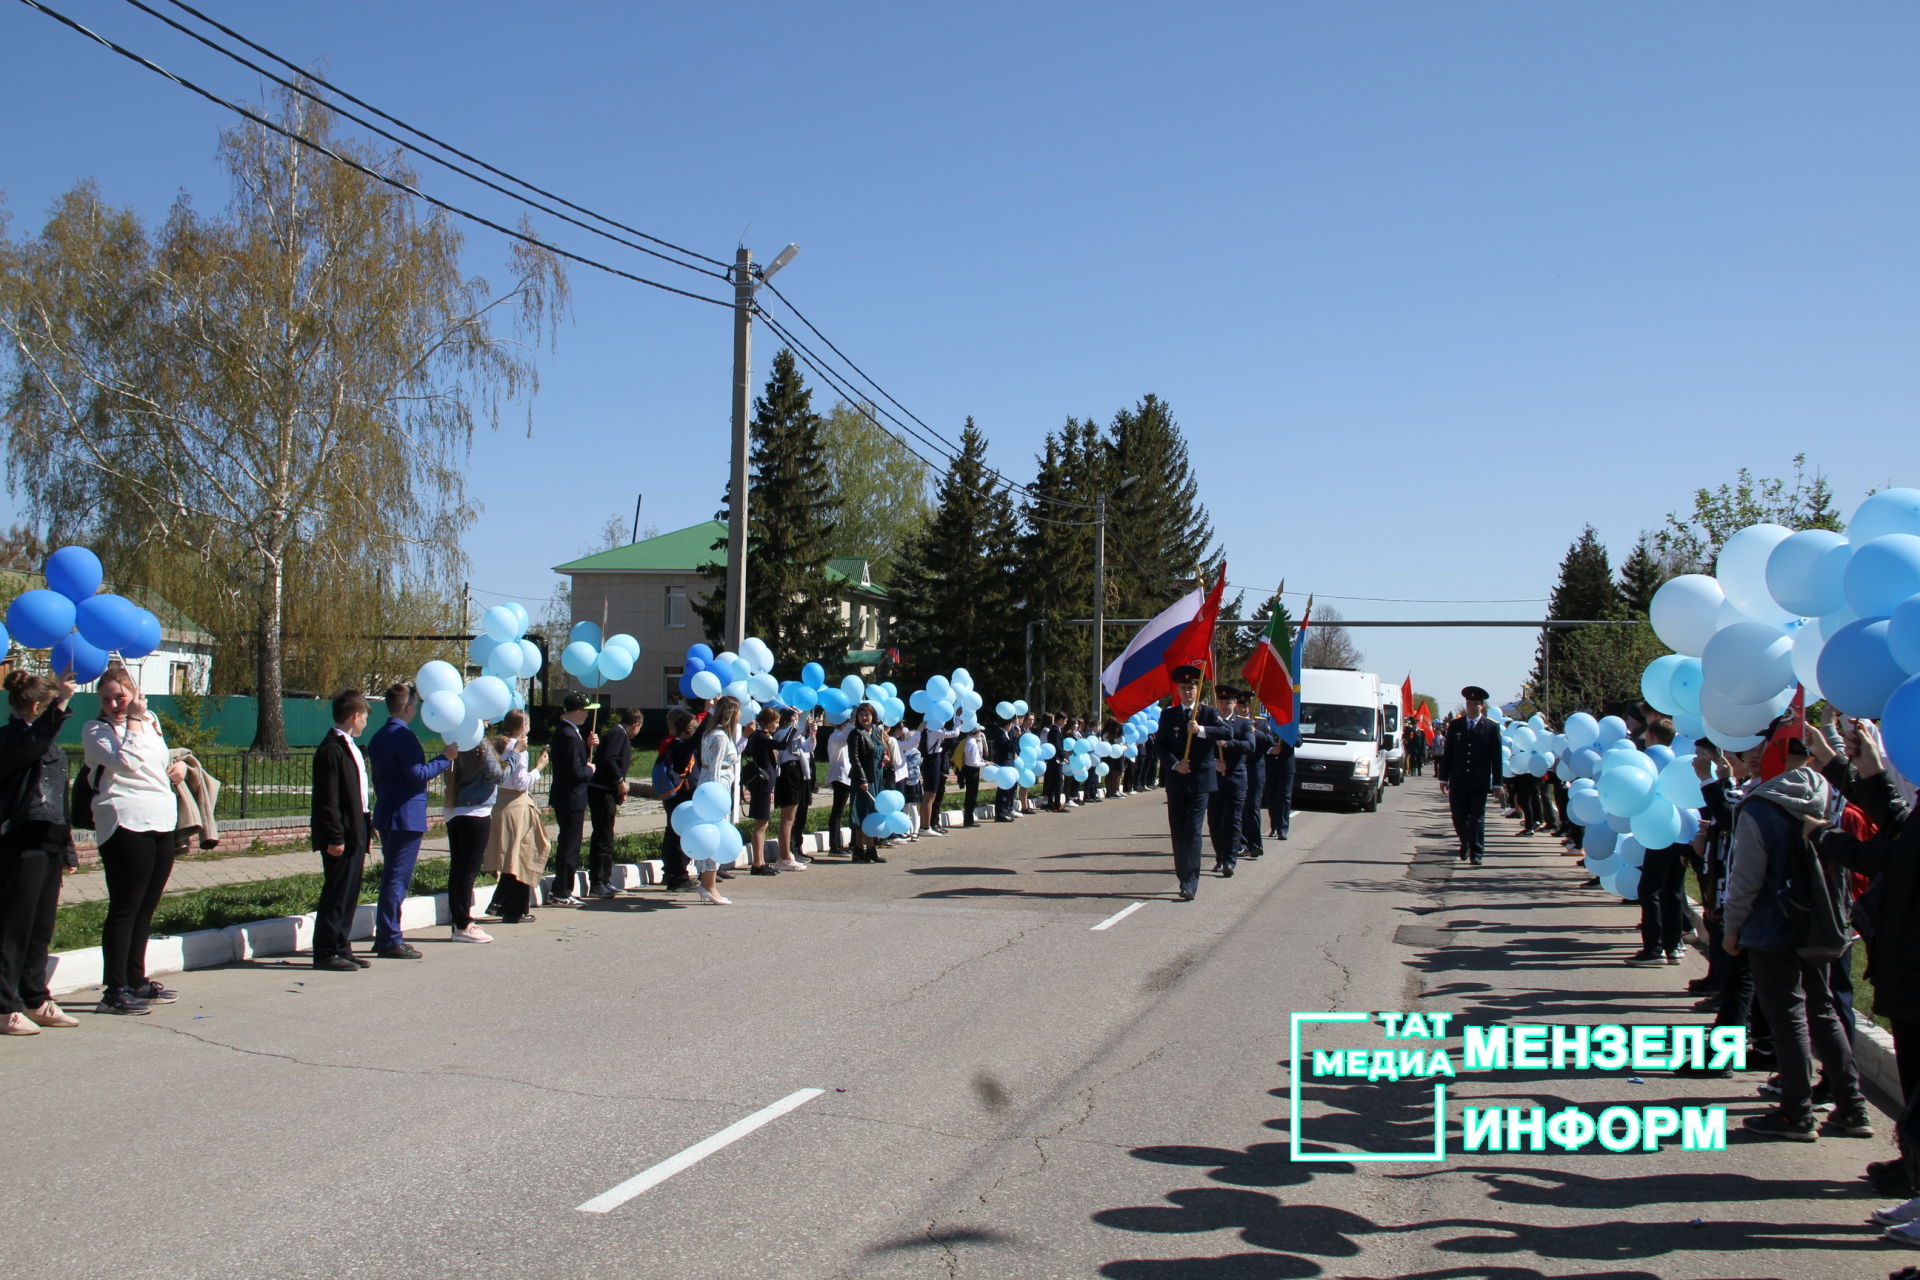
<point>1186,895</point>
<point>400,951</point>
<point>520,919</point>
<point>339,964</point>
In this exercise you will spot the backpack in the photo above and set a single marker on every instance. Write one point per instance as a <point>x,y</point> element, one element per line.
<point>665,781</point>
<point>1815,901</point>
<point>86,784</point>
<point>752,774</point>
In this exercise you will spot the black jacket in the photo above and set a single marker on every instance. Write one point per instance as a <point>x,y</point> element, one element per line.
<point>33,770</point>
<point>1003,745</point>
<point>569,767</point>
<point>1893,858</point>
<point>611,759</point>
<point>1472,761</point>
<point>1171,740</point>
<point>338,815</point>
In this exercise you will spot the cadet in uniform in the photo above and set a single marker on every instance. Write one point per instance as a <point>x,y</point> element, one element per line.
<point>1260,740</point>
<point>1468,771</point>
<point>1224,810</point>
<point>1188,775</point>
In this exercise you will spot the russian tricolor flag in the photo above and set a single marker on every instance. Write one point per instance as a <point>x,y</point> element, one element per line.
<point>1181,634</point>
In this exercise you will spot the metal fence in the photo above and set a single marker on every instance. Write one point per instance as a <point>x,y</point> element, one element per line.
<point>264,786</point>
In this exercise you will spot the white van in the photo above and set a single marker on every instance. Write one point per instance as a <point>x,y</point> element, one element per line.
<point>1340,755</point>
<point>1392,747</point>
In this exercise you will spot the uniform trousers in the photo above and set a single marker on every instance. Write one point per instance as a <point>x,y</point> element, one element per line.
<point>1186,810</point>
<point>1469,808</point>
<point>1224,812</point>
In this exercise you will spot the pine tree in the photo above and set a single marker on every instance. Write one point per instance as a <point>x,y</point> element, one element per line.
<point>1641,574</point>
<point>1158,532</point>
<point>955,600</point>
<point>791,603</point>
<point>1585,590</point>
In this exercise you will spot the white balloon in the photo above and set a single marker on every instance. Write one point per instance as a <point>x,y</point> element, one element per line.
<point>1685,612</point>
<point>1741,569</point>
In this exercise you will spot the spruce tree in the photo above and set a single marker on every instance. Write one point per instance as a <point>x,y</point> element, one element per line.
<point>1158,531</point>
<point>1056,566</point>
<point>791,603</point>
<point>1641,574</point>
<point>1585,590</point>
<point>955,599</point>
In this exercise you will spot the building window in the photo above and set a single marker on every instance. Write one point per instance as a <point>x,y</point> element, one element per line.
<point>670,686</point>
<point>180,678</point>
<point>676,606</point>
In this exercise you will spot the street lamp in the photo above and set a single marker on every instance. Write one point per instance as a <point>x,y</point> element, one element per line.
<point>746,282</point>
<point>1100,586</point>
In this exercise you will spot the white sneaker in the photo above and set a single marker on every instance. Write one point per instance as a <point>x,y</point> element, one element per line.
<point>1907,1233</point>
<point>1898,1214</point>
<point>472,933</point>
<point>788,864</point>
<point>933,831</point>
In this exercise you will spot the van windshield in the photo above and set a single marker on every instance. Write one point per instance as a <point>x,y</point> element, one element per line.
<point>1392,713</point>
<point>1330,722</point>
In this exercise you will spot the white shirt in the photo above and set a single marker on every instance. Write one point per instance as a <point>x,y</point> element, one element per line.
<point>360,763</point>
<point>972,754</point>
<point>518,776</point>
<point>134,790</point>
<point>839,769</point>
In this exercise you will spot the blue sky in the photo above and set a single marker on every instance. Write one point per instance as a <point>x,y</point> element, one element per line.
<point>1428,286</point>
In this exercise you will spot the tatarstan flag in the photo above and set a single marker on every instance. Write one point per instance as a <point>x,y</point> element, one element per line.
<point>1267,674</point>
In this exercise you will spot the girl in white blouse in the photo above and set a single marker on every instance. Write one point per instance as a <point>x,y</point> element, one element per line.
<point>135,813</point>
<point>718,755</point>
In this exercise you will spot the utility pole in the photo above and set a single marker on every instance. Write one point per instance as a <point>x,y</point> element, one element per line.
<point>746,282</point>
<point>743,289</point>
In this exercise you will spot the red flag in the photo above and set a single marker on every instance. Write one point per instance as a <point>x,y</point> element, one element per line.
<point>1194,644</point>
<point>1406,699</point>
<point>1773,760</point>
<point>1267,675</point>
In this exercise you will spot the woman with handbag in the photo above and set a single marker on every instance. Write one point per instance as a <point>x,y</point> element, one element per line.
<point>516,837</point>
<point>135,813</point>
<point>33,816</point>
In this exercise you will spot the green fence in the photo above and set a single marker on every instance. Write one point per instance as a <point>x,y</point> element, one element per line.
<point>233,718</point>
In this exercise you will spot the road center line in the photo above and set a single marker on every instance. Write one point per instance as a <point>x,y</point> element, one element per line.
<point>1117,917</point>
<point>610,1200</point>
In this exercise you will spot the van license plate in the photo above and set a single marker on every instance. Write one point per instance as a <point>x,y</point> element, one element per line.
<point>1316,786</point>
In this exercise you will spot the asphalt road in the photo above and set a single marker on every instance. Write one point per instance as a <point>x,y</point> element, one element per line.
<point>1005,1091</point>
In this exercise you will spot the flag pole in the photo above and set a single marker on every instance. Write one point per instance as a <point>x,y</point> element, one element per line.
<point>1193,711</point>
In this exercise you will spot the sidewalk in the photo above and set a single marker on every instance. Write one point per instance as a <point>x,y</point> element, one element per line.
<point>90,883</point>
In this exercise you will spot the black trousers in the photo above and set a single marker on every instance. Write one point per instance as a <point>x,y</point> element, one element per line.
<point>1806,1026</point>
<point>339,894</point>
<point>1527,798</point>
<point>29,896</point>
<point>1223,819</point>
<point>137,864</point>
<point>1663,900</point>
<point>1003,802</point>
<point>1186,810</point>
<point>1469,808</point>
<point>1053,785</point>
<point>466,846</point>
<point>842,792</point>
<point>511,899</point>
<point>1279,795</point>
<point>1906,1058</point>
<point>566,851</point>
<point>970,779</point>
<point>602,807</point>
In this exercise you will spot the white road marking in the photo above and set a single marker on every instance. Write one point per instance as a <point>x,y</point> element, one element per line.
<point>1117,917</point>
<point>610,1200</point>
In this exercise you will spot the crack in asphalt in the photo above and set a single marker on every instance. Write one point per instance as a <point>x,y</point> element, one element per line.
<point>442,1072</point>
<point>1346,977</point>
<point>913,993</point>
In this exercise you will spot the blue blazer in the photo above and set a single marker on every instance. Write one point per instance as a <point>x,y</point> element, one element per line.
<point>400,773</point>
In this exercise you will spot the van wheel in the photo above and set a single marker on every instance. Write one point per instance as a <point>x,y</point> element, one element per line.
<point>1372,803</point>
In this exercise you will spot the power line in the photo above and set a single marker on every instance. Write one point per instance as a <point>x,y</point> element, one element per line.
<point>296,87</point>
<point>1321,595</point>
<point>859,403</point>
<point>448,147</point>
<point>351,163</point>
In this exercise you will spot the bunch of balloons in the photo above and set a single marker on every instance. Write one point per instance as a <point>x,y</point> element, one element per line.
<point>949,700</point>
<point>77,622</point>
<point>747,675</point>
<point>1527,747</point>
<point>594,660</point>
<point>889,816</point>
<point>703,826</point>
<point>501,650</point>
<point>460,715</point>
<point>1837,614</point>
<point>1627,800</point>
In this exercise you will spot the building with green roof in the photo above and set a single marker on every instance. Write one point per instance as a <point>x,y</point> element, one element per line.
<point>647,590</point>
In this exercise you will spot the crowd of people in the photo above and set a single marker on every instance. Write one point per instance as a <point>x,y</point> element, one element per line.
<point>1806,848</point>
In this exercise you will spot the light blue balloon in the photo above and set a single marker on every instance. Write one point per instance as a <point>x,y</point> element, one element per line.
<point>1656,683</point>
<point>481,648</point>
<point>587,633</point>
<point>624,641</point>
<point>1679,785</point>
<point>813,675</point>
<point>1689,826</point>
<point>1599,840</point>
<point>1903,635</point>
<point>1582,730</point>
<point>1857,669</point>
<point>1883,573</point>
<point>1611,730</point>
<point>1889,511</point>
<point>1625,882</point>
<point>614,663</point>
<point>578,658</point>
<point>1901,728</point>
<point>1661,755</point>
<point>855,688</point>
<point>438,677</point>
<point>1689,724</point>
<point>1750,661</point>
<point>1626,791</point>
<point>705,684</point>
<point>1806,573</point>
<point>1585,808</point>
<point>1657,825</point>
<point>504,661</point>
<point>1628,849</point>
<point>702,841</point>
<point>898,824</point>
<point>712,801</point>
